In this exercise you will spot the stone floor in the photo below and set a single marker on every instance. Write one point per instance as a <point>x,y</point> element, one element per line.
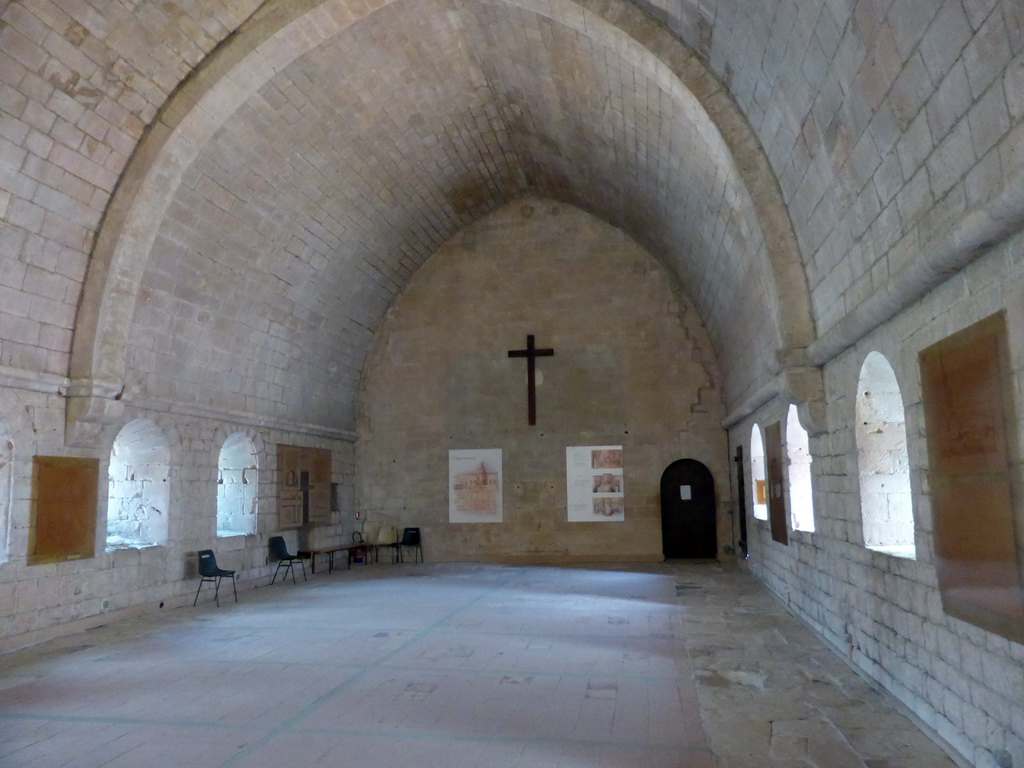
<point>666,666</point>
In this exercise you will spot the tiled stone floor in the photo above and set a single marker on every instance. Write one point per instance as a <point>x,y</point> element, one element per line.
<point>666,666</point>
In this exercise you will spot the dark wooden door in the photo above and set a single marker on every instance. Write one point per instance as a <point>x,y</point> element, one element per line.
<point>304,485</point>
<point>688,525</point>
<point>741,490</point>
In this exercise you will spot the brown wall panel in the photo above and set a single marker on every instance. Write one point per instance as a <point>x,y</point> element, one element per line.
<point>971,430</point>
<point>292,461</point>
<point>776,486</point>
<point>64,494</point>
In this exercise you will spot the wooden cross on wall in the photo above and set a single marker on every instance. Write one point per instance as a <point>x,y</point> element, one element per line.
<point>531,353</point>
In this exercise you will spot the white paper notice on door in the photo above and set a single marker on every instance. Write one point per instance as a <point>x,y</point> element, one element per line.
<point>685,492</point>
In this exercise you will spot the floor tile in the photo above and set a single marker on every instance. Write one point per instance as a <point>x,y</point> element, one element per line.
<point>467,666</point>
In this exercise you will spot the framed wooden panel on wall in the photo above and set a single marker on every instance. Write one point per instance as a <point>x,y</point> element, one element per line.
<point>319,485</point>
<point>970,419</point>
<point>289,492</point>
<point>64,496</point>
<point>304,485</point>
<point>777,516</point>
<point>289,508</point>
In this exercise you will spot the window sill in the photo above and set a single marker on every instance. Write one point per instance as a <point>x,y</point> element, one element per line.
<point>897,550</point>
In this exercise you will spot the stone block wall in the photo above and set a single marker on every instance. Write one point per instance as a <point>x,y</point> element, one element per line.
<point>892,129</point>
<point>80,85</point>
<point>887,124</point>
<point>39,601</point>
<point>632,366</point>
<point>882,612</point>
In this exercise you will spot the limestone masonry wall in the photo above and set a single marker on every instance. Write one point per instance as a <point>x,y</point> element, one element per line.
<point>37,601</point>
<point>289,165</point>
<point>632,367</point>
<point>882,612</point>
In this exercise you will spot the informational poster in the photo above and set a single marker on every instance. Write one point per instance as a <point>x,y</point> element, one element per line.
<point>474,485</point>
<point>593,478</point>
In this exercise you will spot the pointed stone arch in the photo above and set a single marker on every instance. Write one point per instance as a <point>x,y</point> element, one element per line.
<point>281,32</point>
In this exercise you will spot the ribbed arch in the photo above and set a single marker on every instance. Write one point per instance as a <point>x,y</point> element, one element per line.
<point>308,243</point>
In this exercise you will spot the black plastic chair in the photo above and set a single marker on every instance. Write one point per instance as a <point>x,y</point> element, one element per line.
<point>284,560</point>
<point>411,538</point>
<point>209,571</point>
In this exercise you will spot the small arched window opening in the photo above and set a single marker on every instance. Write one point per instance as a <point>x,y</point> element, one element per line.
<point>883,463</point>
<point>6,484</point>
<point>798,455</point>
<point>137,501</point>
<point>236,487</point>
<point>758,478</point>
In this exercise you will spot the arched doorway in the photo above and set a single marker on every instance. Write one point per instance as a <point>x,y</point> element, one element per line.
<point>688,525</point>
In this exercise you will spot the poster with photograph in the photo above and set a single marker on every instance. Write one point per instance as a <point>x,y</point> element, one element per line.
<point>474,485</point>
<point>593,479</point>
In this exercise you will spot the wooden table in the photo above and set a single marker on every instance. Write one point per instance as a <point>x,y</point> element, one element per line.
<point>351,549</point>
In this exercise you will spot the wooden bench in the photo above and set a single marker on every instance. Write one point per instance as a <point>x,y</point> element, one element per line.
<point>350,549</point>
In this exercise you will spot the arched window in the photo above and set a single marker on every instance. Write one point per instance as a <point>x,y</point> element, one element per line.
<point>798,455</point>
<point>886,504</point>
<point>6,482</point>
<point>139,487</point>
<point>236,487</point>
<point>758,479</point>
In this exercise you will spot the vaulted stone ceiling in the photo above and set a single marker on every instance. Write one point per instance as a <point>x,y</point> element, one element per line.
<point>219,201</point>
<point>300,184</point>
